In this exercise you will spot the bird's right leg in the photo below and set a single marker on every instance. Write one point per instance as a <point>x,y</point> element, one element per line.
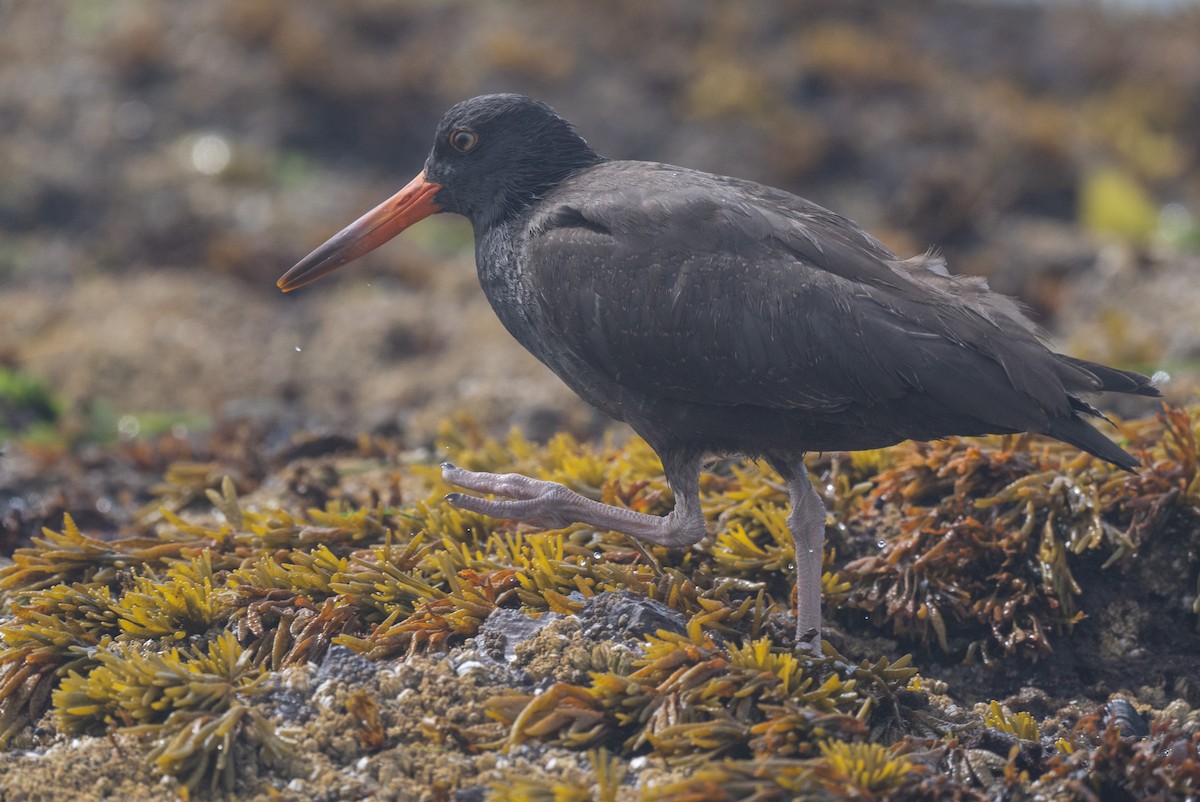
<point>807,526</point>
<point>554,506</point>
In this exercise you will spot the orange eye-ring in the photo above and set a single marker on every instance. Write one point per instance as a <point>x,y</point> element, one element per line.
<point>463,140</point>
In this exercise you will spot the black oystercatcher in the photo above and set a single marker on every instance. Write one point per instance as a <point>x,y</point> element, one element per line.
<point>716,315</point>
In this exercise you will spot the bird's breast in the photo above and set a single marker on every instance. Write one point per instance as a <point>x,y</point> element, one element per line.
<point>501,262</point>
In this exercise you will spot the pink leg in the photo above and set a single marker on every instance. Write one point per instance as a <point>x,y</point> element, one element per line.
<point>807,525</point>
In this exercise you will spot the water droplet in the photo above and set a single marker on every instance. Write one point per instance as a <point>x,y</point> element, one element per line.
<point>128,427</point>
<point>210,154</point>
<point>297,349</point>
<point>881,543</point>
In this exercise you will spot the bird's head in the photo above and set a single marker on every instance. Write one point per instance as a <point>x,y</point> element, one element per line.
<point>492,157</point>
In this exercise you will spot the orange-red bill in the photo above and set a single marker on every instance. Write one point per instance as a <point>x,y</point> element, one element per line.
<point>409,205</point>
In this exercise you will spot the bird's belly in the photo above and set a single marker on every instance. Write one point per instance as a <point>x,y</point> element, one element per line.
<point>670,423</point>
<point>767,431</point>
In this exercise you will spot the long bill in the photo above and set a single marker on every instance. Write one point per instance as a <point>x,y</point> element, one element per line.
<point>409,205</point>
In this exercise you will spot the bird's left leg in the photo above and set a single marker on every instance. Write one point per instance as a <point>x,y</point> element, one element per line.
<point>807,526</point>
<point>554,506</point>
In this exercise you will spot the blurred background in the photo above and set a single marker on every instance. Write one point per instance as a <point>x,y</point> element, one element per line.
<point>163,163</point>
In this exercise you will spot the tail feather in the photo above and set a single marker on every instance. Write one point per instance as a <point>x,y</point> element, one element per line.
<point>1083,435</point>
<point>1081,376</point>
<point>1114,380</point>
<point>1079,405</point>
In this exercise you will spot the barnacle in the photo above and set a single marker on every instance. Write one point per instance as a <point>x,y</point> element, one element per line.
<point>974,766</point>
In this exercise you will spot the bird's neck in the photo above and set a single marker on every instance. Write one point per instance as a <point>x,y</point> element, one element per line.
<point>498,261</point>
<point>524,186</point>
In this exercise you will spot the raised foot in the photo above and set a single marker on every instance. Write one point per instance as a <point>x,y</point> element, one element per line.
<point>535,501</point>
<point>550,505</point>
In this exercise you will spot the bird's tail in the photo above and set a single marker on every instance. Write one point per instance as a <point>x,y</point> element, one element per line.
<point>1081,434</point>
<point>1114,380</point>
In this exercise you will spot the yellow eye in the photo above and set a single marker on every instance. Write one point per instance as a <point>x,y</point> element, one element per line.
<point>463,140</point>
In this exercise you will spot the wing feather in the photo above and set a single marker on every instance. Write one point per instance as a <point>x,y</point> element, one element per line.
<point>722,292</point>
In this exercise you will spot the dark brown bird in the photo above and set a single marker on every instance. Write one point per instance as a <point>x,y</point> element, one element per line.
<point>716,315</point>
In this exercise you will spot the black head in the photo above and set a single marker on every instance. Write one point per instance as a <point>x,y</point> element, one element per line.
<point>494,155</point>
